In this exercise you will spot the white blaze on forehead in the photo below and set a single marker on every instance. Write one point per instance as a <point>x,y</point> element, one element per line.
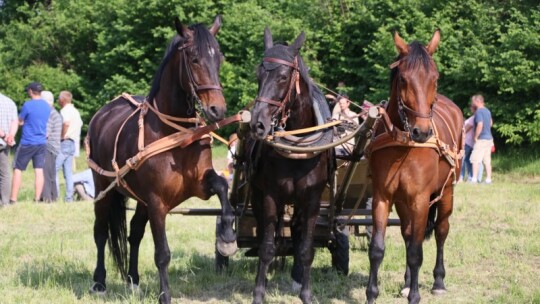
<point>211,51</point>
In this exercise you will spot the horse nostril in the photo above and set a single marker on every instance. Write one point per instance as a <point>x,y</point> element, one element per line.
<point>214,110</point>
<point>416,132</point>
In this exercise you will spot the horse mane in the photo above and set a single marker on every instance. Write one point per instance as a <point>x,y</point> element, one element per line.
<point>202,40</point>
<point>417,58</point>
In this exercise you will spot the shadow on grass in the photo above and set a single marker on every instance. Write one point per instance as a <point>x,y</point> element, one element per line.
<point>69,275</point>
<point>199,281</point>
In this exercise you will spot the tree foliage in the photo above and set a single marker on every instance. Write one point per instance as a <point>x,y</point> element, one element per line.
<point>101,48</point>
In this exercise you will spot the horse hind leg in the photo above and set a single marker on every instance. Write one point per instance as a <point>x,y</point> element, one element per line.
<point>102,209</point>
<point>444,209</point>
<point>138,225</point>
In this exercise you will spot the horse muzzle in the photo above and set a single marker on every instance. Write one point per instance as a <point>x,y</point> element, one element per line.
<point>420,136</point>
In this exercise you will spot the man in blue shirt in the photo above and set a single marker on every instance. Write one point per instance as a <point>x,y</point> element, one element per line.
<point>483,139</point>
<point>33,145</point>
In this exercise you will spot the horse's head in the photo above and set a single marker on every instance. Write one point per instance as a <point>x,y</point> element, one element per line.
<point>414,85</point>
<point>199,65</point>
<point>278,75</point>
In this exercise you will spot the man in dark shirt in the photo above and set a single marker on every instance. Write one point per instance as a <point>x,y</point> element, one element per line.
<point>483,139</point>
<point>33,145</point>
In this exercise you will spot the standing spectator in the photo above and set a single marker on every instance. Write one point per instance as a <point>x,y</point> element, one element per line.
<point>71,133</point>
<point>33,117</point>
<point>345,114</point>
<point>8,128</point>
<point>466,167</point>
<point>483,139</point>
<point>54,131</point>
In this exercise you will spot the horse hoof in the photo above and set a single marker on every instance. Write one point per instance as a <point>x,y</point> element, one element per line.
<point>296,286</point>
<point>226,249</point>
<point>134,288</point>
<point>405,292</point>
<point>438,292</point>
<point>98,289</point>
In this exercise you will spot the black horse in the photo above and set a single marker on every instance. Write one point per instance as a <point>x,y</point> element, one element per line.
<point>189,73</point>
<point>287,98</point>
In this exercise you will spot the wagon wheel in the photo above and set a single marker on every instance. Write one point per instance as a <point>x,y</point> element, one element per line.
<point>221,261</point>
<point>340,250</point>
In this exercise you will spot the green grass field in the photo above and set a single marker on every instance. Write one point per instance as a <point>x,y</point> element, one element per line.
<point>47,254</point>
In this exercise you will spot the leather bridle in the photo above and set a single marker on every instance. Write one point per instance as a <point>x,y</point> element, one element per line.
<point>403,109</point>
<point>194,88</point>
<point>294,82</point>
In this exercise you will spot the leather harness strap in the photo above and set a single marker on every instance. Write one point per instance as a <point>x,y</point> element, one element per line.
<point>183,138</point>
<point>393,137</point>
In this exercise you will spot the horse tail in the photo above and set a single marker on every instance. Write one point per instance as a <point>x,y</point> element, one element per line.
<point>118,234</point>
<point>431,222</point>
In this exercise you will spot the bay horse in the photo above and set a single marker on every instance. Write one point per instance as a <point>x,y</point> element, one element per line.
<point>189,73</point>
<point>415,175</point>
<point>286,93</point>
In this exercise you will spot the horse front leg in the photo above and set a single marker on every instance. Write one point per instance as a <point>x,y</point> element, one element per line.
<point>138,224</point>
<point>311,211</point>
<point>162,254</point>
<point>415,254</point>
<point>267,247</point>
<point>444,210</point>
<point>380,210</point>
<point>226,236</point>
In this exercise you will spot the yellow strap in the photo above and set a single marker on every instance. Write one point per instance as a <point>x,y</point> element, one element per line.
<point>305,130</point>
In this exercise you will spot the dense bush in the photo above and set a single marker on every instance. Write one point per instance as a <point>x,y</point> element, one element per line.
<point>100,48</point>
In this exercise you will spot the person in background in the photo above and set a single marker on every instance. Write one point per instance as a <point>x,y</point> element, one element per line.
<point>345,114</point>
<point>54,131</point>
<point>9,123</point>
<point>71,133</point>
<point>466,167</point>
<point>483,139</point>
<point>33,146</point>
<point>228,172</point>
<point>83,182</point>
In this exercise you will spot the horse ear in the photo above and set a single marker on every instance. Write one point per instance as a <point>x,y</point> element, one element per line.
<point>298,43</point>
<point>180,29</point>
<point>401,45</point>
<point>268,40</point>
<point>432,45</point>
<point>214,29</point>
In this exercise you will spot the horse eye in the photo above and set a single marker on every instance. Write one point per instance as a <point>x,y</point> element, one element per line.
<point>283,77</point>
<point>195,60</point>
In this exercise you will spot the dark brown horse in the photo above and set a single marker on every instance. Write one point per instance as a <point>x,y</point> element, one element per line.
<point>414,178</point>
<point>285,90</point>
<point>188,74</point>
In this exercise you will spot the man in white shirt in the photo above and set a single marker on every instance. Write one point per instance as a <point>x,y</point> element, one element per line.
<point>71,133</point>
